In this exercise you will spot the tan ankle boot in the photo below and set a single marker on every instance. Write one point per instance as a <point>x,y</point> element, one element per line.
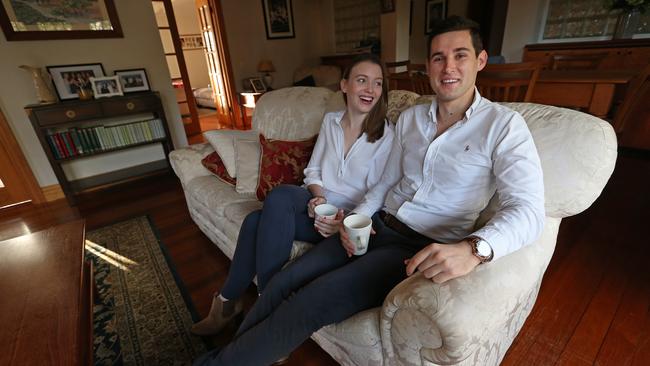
<point>221,313</point>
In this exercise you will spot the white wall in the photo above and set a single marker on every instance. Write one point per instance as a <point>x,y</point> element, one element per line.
<point>247,43</point>
<point>523,26</point>
<point>140,47</point>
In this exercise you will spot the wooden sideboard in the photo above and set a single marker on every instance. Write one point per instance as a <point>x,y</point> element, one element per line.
<point>620,54</point>
<point>47,297</point>
<point>79,129</point>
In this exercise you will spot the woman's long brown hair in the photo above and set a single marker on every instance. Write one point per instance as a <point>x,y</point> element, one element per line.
<point>375,121</point>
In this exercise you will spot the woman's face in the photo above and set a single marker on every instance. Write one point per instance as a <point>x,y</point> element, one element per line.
<point>363,87</point>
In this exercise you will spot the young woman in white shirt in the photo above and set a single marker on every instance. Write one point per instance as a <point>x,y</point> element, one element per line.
<point>348,159</point>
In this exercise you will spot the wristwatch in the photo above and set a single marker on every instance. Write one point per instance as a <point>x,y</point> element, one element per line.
<point>481,249</point>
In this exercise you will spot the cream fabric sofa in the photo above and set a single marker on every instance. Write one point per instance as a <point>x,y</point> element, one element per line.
<point>467,321</point>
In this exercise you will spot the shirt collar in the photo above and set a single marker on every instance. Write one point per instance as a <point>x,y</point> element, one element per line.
<point>468,113</point>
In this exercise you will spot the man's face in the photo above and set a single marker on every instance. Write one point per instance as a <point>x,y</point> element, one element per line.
<point>453,65</point>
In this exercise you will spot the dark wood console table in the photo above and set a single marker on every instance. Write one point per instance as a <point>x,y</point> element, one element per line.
<point>46,298</point>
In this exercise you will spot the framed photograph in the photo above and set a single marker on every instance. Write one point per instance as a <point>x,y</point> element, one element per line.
<point>388,6</point>
<point>69,79</point>
<point>434,10</point>
<point>107,86</point>
<point>191,41</point>
<point>278,19</point>
<point>36,20</point>
<point>133,80</point>
<point>258,85</point>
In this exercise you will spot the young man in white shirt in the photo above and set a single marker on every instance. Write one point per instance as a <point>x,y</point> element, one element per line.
<point>447,161</point>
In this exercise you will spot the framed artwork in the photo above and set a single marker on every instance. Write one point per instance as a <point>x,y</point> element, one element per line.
<point>387,6</point>
<point>107,86</point>
<point>433,11</point>
<point>69,79</point>
<point>37,20</point>
<point>191,41</point>
<point>133,80</point>
<point>278,19</point>
<point>258,85</point>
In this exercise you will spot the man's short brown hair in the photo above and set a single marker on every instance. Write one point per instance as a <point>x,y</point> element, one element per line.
<point>457,23</point>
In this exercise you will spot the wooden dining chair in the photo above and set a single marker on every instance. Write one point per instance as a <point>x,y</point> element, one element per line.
<point>392,66</point>
<point>512,82</point>
<point>421,84</point>
<point>633,116</point>
<point>577,62</point>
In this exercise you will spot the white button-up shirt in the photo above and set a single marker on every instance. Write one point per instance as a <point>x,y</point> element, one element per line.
<point>346,179</point>
<point>439,186</point>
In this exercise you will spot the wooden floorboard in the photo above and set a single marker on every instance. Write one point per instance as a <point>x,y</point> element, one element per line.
<point>593,306</point>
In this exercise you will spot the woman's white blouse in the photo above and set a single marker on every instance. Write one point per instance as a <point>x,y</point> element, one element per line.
<point>346,179</point>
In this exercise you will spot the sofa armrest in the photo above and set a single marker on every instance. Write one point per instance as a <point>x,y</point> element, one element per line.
<point>186,161</point>
<point>482,311</point>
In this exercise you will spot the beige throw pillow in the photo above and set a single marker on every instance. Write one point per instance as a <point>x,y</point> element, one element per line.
<point>223,142</point>
<point>247,158</point>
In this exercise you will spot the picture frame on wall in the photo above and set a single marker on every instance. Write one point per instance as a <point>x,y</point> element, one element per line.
<point>387,6</point>
<point>107,86</point>
<point>434,10</point>
<point>278,19</point>
<point>69,79</point>
<point>95,19</point>
<point>133,80</point>
<point>258,85</point>
<point>191,41</point>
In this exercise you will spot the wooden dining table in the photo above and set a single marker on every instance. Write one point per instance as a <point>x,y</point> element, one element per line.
<point>589,90</point>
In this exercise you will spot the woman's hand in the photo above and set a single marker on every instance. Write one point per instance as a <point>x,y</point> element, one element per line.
<point>317,200</point>
<point>328,227</point>
<point>348,244</point>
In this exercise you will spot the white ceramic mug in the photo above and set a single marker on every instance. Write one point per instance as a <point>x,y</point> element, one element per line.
<point>326,210</point>
<point>358,228</point>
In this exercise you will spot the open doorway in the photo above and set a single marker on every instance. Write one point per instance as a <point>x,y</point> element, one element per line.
<point>196,53</point>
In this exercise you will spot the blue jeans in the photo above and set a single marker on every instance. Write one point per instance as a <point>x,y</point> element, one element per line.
<point>266,237</point>
<point>322,287</point>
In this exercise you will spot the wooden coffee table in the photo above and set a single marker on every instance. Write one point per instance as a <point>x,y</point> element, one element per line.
<point>46,298</point>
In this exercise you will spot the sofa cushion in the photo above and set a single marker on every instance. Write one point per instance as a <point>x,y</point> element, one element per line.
<point>282,162</point>
<point>223,142</point>
<point>247,157</point>
<point>303,120</point>
<point>215,165</point>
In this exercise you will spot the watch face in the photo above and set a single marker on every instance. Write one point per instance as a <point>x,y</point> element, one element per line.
<point>483,248</point>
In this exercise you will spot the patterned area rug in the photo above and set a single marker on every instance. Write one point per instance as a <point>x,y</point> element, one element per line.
<point>143,313</point>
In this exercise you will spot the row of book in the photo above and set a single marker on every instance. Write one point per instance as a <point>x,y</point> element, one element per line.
<point>79,141</point>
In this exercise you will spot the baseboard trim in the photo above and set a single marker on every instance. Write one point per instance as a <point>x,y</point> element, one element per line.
<point>53,193</point>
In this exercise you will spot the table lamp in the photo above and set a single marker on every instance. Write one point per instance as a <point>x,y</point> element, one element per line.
<point>266,67</point>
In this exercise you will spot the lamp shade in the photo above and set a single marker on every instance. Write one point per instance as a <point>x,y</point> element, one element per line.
<point>265,66</point>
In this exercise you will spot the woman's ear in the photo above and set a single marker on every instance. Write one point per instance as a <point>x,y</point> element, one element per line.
<point>344,85</point>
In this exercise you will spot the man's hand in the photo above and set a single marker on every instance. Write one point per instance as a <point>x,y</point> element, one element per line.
<point>311,205</point>
<point>443,262</point>
<point>327,227</point>
<point>348,245</point>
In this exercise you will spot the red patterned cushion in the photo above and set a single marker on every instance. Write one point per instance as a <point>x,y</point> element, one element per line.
<point>214,164</point>
<point>282,162</point>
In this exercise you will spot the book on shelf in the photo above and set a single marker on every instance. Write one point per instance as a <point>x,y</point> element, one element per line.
<point>77,141</point>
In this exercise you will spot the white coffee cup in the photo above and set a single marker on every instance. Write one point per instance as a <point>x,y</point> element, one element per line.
<point>326,211</point>
<point>358,228</point>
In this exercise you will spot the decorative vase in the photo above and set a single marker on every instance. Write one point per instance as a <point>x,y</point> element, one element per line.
<point>626,24</point>
<point>43,92</point>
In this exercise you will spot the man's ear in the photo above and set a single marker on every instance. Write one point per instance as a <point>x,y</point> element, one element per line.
<point>482,60</point>
<point>344,85</point>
